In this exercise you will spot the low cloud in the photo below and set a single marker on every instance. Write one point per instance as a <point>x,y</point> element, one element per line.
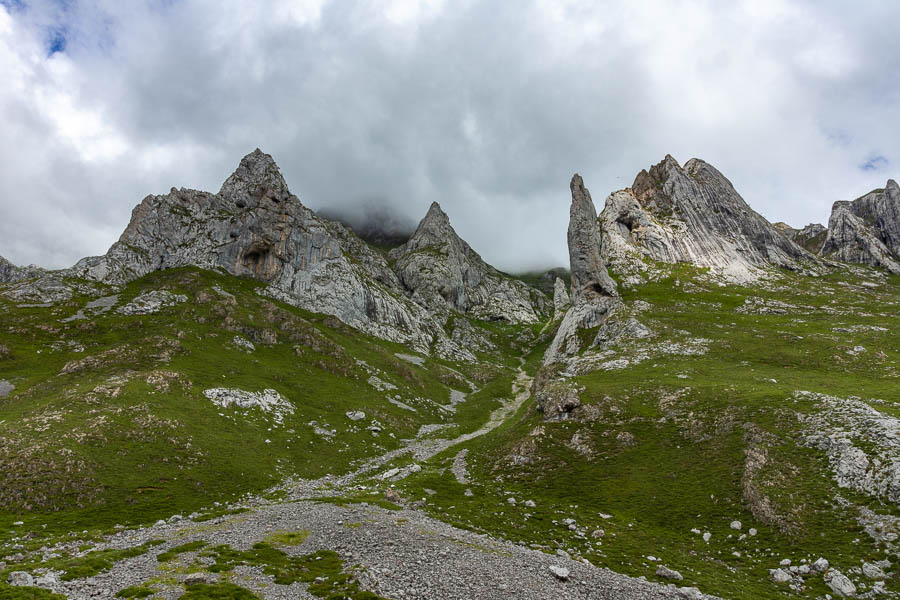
<point>485,107</point>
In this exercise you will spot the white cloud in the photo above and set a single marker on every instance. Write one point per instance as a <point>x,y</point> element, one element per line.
<point>486,107</point>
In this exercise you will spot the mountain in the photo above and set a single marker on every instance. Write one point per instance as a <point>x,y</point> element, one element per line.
<point>245,399</point>
<point>255,227</point>
<point>443,273</point>
<point>692,214</point>
<point>867,230</point>
<point>811,238</point>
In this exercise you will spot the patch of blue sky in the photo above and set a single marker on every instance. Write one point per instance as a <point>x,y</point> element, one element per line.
<point>875,162</point>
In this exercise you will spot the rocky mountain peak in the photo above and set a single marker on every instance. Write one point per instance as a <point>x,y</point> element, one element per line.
<point>867,230</point>
<point>435,230</point>
<point>691,214</point>
<point>257,177</point>
<point>589,275</point>
<point>442,272</point>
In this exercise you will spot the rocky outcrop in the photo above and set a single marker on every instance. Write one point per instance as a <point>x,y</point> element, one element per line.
<point>561,300</point>
<point>692,214</point>
<point>811,238</point>
<point>594,294</point>
<point>589,274</point>
<point>254,227</point>
<point>443,273</point>
<point>10,273</point>
<point>867,230</point>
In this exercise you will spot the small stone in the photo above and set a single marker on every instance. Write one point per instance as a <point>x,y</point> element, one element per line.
<point>511,501</point>
<point>530,504</point>
<point>355,415</point>
<point>598,533</point>
<point>667,573</point>
<point>561,573</point>
<point>690,593</point>
<point>752,532</point>
<point>785,563</point>
<point>194,580</point>
<point>736,525</point>
<point>707,536</point>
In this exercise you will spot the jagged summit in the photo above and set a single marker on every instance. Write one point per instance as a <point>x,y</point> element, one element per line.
<point>589,274</point>
<point>867,230</point>
<point>594,293</point>
<point>692,214</point>
<point>435,230</point>
<point>254,227</point>
<point>442,272</point>
<point>256,177</point>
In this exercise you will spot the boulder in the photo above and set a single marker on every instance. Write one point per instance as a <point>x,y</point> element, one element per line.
<point>20,579</point>
<point>840,584</point>
<point>667,573</point>
<point>780,576</point>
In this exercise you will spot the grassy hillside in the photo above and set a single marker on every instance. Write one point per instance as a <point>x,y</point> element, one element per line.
<point>108,422</point>
<point>724,413</point>
<point>702,426</point>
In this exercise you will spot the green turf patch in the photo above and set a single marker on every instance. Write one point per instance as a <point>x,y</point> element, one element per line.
<point>217,591</point>
<point>173,552</point>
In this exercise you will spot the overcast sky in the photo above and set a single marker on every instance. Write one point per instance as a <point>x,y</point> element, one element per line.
<point>485,107</point>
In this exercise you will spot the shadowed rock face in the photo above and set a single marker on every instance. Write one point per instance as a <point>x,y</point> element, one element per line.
<point>692,215</point>
<point>867,230</point>
<point>442,272</point>
<point>811,238</point>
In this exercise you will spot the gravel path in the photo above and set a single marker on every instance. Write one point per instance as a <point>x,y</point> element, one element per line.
<point>401,554</point>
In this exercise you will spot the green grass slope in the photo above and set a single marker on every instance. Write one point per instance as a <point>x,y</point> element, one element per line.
<point>108,422</point>
<point>701,428</point>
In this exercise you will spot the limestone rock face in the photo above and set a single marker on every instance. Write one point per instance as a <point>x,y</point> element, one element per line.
<point>867,230</point>
<point>560,296</point>
<point>594,295</point>
<point>589,274</point>
<point>692,214</point>
<point>10,273</point>
<point>812,237</point>
<point>443,273</point>
<point>255,227</point>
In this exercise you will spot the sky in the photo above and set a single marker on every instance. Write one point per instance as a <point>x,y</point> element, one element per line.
<point>487,107</point>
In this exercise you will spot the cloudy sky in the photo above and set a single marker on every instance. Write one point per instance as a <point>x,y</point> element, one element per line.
<point>486,107</point>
